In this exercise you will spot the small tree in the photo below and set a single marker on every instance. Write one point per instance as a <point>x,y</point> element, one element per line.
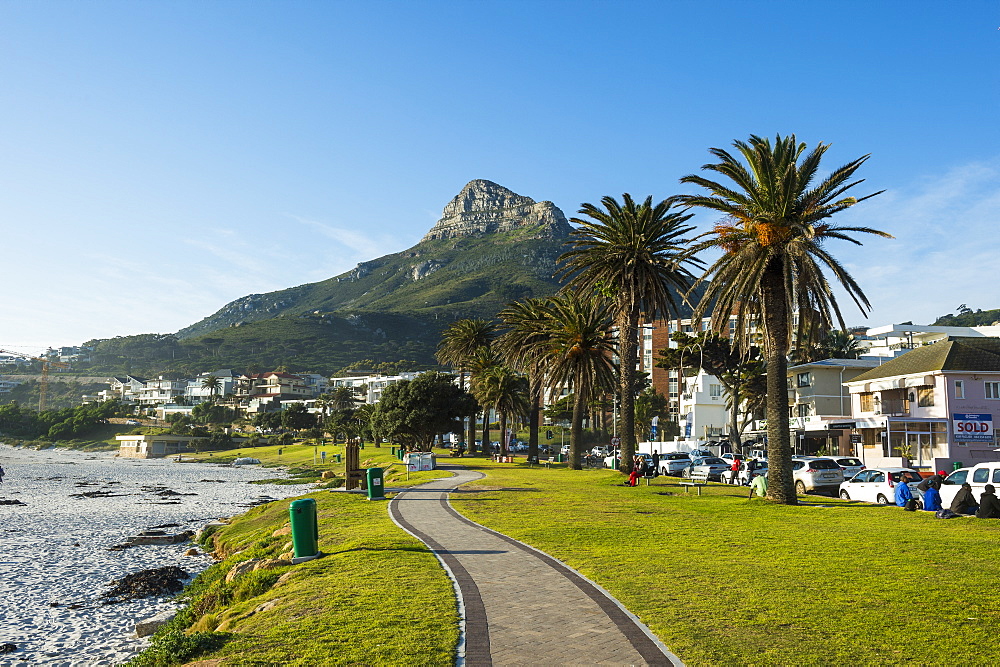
<point>412,412</point>
<point>297,417</point>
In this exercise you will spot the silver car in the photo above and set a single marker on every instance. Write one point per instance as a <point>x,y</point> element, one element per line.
<point>712,465</point>
<point>819,475</point>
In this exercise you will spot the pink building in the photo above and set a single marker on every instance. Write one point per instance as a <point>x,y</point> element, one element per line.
<point>931,407</point>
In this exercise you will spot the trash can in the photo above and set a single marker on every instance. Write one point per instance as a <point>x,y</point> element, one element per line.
<point>560,458</point>
<point>337,457</point>
<point>956,465</point>
<point>305,530</point>
<point>376,484</point>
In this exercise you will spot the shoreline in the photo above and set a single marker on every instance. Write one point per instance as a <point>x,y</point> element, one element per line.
<point>56,559</point>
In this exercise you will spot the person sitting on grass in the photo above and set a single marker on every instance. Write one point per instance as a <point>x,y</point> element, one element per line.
<point>903,494</point>
<point>964,502</point>
<point>759,486</point>
<point>633,477</point>
<point>989,506</point>
<point>932,496</point>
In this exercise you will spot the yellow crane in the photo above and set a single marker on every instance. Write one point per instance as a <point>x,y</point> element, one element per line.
<point>43,384</point>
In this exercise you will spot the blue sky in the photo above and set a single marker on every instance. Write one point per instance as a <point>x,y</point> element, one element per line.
<point>160,159</point>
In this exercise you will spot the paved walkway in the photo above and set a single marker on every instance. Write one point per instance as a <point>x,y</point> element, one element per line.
<point>519,605</point>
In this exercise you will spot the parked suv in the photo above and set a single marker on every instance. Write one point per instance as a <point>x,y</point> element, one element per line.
<point>978,476</point>
<point>849,465</point>
<point>816,475</point>
<point>674,463</point>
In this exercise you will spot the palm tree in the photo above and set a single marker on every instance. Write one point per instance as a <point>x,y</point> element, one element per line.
<point>772,239</point>
<point>523,347</point>
<point>839,344</point>
<point>634,255</point>
<point>504,390</point>
<point>459,342</point>
<point>480,364</point>
<point>213,384</point>
<point>580,356</point>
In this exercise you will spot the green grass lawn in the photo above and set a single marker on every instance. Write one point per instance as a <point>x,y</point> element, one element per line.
<point>724,580</point>
<point>377,596</point>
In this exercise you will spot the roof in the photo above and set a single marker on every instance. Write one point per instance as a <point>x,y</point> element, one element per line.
<point>954,354</point>
<point>844,363</point>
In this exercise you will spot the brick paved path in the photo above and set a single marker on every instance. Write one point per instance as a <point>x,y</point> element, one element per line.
<point>520,606</point>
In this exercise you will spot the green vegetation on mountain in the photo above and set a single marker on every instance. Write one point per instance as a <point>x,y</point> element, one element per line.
<point>966,317</point>
<point>58,395</point>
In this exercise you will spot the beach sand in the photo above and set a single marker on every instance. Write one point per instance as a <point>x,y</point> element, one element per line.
<point>54,558</point>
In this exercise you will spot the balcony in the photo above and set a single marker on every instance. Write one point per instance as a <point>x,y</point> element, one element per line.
<point>893,407</point>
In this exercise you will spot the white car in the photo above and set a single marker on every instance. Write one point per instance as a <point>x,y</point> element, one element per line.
<point>674,463</point>
<point>878,485</point>
<point>744,477</point>
<point>977,476</point>
<point>816,475</point>
<point>849,465</point>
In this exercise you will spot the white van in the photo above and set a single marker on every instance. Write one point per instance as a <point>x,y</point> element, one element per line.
<point>977,476</point>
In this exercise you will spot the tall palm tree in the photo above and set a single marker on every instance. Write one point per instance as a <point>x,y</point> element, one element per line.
<point>634,255</point>
<point>213,384</point>
<point>459,343</point>
<point>502,389</point>
<point>580,356</point>
<point>480,364</point>
<point>523,346</point>
<point>772,237</point>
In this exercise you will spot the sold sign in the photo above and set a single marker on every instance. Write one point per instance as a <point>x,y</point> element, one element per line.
<point>972,426</point>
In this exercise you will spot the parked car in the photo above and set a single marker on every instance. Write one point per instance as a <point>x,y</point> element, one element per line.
<point>977,476</point>
<point>713,465</point>
<point>674,463</point>
<point>600,450</point>
<point>132,422</point>
<point>816,475</point>
<point>849,465</point>
<point>878,485</point>
<point>699,453</point>
<point>564,450</point>
<point>731,456</point>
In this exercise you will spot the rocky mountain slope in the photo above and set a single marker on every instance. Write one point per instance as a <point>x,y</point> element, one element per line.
<point>490,247</point>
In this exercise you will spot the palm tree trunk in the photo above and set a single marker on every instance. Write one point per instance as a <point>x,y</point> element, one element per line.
<point>576,428</point>
<point>628,325</point>
<point>472,433</point>
<point>486,431</point>
<point>780,484</point>
<point>503,433</point>
<point>536,407</point>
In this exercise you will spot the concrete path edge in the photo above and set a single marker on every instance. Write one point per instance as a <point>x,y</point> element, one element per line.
<point>476,649</point>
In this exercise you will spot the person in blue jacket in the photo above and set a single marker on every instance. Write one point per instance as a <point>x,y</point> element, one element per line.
<point>932,496</point>
<point>903,493</point>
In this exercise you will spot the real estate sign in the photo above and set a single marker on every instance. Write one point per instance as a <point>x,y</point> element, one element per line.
<point>972,427</point>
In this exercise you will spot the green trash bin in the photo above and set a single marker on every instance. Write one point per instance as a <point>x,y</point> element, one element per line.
<point>956,465</point>
<point>560,458</point>
<point>376,484</point>
<point>305,529</point>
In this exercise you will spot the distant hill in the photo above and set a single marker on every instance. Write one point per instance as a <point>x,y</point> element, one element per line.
<point>967,318</point>
<point>490,247</point>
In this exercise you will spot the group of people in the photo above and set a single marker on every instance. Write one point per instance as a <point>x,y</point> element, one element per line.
<point>964,502</point>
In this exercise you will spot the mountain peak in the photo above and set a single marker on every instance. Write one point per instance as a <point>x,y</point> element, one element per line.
<point>484,207</point>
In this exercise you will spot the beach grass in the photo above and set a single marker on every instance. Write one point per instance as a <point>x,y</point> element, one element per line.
<point>725,580</point>
<point>376,596</point>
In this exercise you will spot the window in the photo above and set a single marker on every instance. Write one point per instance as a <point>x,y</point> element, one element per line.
<point>996,476</point>
<point>959,389</point>
<point>802,410</point>
<point>879,478</point>
<point>715,390</point>
<point>804,379</point>
<point>925,397</point>
<point>993,390</point>
<point>980,476</point>
<point>868,402</point>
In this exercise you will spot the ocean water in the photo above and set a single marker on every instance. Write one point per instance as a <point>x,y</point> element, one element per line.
<point>54,558</point>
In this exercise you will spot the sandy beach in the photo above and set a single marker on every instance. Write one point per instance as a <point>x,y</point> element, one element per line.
<point>54,557</point>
